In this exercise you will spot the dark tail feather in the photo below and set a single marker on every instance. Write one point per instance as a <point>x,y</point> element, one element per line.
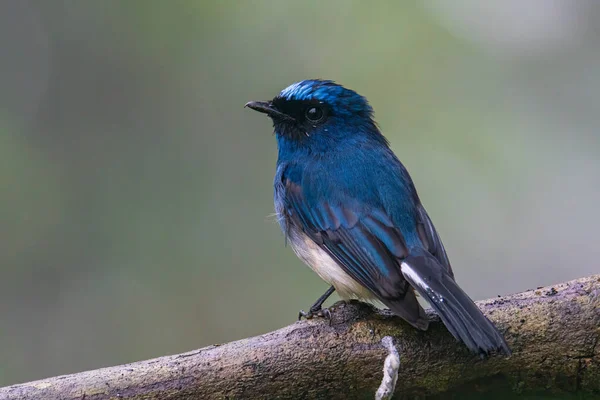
<point>408,308</point>
<point>458,312</point>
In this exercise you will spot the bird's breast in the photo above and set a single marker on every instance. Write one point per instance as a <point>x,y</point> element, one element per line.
<point>325,266</point>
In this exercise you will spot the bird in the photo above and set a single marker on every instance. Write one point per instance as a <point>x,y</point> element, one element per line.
<point>350,211</point>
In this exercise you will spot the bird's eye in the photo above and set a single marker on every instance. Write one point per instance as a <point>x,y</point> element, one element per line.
<point>314,114</point>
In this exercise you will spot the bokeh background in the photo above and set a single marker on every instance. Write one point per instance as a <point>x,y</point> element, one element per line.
<point>136,189</point>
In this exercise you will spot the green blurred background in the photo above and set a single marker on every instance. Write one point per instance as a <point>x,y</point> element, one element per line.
<point>136,189</point>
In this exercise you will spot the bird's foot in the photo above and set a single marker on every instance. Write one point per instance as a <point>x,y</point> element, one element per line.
<point>316,309</point>
<point>315,312</point>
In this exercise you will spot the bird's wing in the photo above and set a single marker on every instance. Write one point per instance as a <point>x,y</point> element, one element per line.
<point>365,244</point>
<point>431,240</point>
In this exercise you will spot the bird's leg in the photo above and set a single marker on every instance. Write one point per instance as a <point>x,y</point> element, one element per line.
<point>316,309</point>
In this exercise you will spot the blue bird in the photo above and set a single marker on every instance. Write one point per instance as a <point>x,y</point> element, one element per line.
<point>350,211</point>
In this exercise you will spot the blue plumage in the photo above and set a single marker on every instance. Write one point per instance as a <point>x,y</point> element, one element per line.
<point>351,212</point>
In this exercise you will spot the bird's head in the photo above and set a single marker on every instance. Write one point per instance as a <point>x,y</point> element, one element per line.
<point>317,113</point>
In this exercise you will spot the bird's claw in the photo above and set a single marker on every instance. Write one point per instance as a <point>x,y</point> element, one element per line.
<point>304,314</point>
<point>317,312</point>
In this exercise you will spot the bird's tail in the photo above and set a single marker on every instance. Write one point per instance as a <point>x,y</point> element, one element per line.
<point>458,312</point>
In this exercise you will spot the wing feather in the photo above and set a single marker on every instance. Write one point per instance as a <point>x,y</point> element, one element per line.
<point>365,244</point>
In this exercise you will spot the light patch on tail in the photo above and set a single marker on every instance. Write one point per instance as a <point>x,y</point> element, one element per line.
<point>415,279</point>
<point>412,276</point>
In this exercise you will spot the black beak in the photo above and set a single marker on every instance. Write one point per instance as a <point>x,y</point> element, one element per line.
<point>268,108</point>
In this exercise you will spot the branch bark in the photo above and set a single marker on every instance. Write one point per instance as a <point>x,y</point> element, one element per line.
<point>554,334</point>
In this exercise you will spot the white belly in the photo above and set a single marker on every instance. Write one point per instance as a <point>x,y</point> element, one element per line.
<point>320,262</point>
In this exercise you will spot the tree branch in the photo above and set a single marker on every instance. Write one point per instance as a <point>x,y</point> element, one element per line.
<point>554,334</point>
